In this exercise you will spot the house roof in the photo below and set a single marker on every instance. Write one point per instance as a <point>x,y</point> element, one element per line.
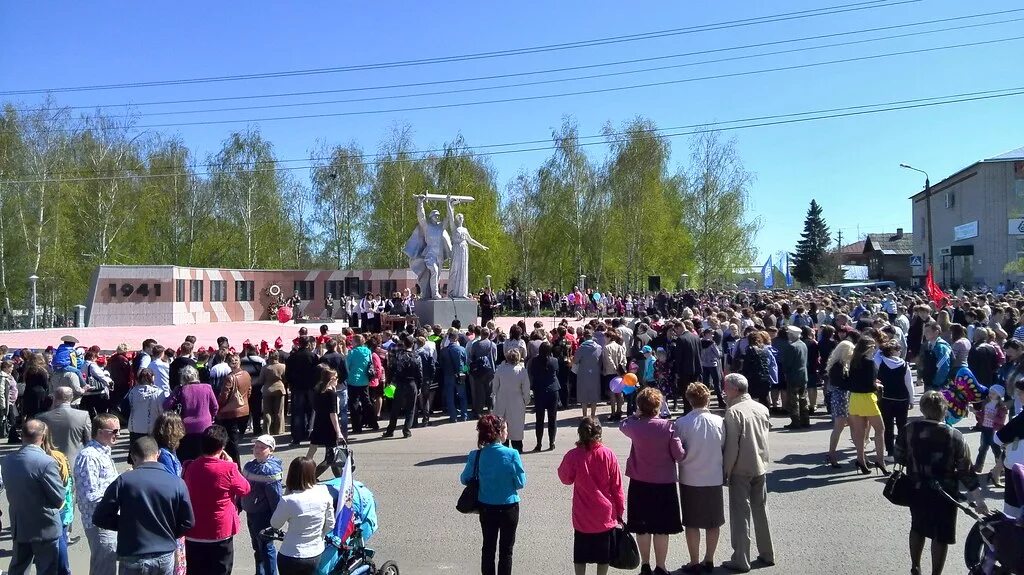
<point>891,244</point>
<point>853,249</point>
<point>1011,156</point>
<point>1017,154</point>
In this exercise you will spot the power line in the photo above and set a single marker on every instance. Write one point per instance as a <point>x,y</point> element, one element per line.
<point>579,67</point>
<point>379,156</point>
<point>825,11</point>
<point>765,121</point>
<point>570,79</point>
<point>563,94</point>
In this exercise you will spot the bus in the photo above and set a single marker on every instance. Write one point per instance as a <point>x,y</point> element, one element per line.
<point>845,288</point>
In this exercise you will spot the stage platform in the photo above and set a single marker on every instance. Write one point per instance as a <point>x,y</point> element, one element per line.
<point>108,338</point>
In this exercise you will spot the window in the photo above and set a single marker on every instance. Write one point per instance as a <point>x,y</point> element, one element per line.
<point>1020,248</point>
<point>388,287</point>
<point>196,287</point>
<point>179,290</point>
<point>245,291</point>
<point>305,290</point>
<point>354,287</point>
<point>218,290</point>
<point>334,287</point>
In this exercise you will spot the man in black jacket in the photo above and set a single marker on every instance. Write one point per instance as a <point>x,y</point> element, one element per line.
<point>301,375</point>
<point>687,363</point>
<point>149,508</point>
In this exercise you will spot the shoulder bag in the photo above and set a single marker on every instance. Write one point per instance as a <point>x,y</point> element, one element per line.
<point>626,553</point>
<point>469,501</point>
<point>899,487</point>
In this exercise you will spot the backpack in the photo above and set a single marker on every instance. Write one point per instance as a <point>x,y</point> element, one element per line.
<point>760,367</point>
<point>480,365</point>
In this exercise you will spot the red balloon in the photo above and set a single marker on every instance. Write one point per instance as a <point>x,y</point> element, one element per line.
<point>284,314</point>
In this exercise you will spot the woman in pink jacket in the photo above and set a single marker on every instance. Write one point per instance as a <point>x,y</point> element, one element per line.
<point>597,499</point>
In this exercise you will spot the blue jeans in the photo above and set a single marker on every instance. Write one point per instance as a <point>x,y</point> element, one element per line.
<point>263,548</point>
<point>146,564</point>
<point>712,377</point>
<point>455,387</point>
<point>342,411</point>
<point>63,561</point>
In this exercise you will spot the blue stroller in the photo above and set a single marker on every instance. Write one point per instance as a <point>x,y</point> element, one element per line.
<point>350,556</point>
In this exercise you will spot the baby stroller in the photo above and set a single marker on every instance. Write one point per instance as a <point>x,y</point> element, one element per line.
<point>993,545</point>
<point>350,556</point>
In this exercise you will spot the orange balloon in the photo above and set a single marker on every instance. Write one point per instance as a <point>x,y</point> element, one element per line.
<point>630,380</point>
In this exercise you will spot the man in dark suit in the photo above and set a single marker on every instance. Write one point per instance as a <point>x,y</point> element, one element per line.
<point>35,492</point>
<point>69,427</point>
<point>301,374</point>
<point>687,363</point>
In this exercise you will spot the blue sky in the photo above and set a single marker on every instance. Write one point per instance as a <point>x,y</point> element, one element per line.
<point>849,165</point>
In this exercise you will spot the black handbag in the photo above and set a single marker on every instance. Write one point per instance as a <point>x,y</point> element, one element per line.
<point>899,488</point>
<point>626,552</point>
<point>469,501</point>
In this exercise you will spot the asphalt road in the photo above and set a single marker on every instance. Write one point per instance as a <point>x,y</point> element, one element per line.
<point>822,520</point>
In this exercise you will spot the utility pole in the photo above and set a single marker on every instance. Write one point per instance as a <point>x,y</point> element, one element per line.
<point>928,215</point>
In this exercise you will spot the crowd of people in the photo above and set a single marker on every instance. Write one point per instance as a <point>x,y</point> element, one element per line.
<point>723,362</point>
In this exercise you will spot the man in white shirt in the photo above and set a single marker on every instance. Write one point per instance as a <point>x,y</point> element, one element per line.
<point>94,471</point>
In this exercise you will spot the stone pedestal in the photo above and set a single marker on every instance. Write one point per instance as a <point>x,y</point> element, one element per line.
<point>443,311</point>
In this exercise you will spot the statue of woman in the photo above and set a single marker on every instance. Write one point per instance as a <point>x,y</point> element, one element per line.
<point>458,275</point>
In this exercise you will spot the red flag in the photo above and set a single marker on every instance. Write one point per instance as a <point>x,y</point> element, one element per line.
<point>933,290</point>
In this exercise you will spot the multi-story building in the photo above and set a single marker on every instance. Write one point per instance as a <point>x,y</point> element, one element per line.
<point>977,223</point>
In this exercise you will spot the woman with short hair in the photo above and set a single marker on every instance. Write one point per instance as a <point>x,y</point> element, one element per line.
<point>512,395</point>
<point>308,510</point>
<point>543,372</point>
<point>168,433</point>
<point>597,499</point>
<point>936,457</point>
<point>198,408</point>
<point>501,475</point>
<point>701,476</point>
<point>652,499</point>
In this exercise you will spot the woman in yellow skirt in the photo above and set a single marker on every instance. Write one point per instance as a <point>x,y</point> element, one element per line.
<point>864,386</point>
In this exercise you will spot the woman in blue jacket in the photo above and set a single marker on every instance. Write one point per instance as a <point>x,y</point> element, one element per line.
<point>501,476</point>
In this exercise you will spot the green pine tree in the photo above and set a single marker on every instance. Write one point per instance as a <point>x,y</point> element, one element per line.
<point>810,262</point>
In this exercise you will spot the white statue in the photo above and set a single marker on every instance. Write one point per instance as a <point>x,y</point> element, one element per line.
<point>427,248</point>
<point>458,275</point>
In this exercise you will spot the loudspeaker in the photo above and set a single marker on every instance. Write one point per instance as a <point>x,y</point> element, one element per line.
<point>653,283</point>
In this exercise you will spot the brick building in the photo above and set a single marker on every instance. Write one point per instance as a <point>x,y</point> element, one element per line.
<point>977,218</point>
<point>172,295</point>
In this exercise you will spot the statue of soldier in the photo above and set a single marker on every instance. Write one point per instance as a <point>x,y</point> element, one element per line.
<point>427,248</point>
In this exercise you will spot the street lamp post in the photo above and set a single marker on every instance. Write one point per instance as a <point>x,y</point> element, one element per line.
<point>686,280</point>
<point>488,278</point>
<point>583,282</point>
<point>928,209</point>
<point>33,280</point>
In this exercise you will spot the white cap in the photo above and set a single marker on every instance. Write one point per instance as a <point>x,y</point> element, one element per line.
<point>267,440</point>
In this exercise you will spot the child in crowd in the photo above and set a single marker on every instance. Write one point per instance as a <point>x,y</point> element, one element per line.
<point>991,418</point>
<point>65,358</point>
<point>264,473</point>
